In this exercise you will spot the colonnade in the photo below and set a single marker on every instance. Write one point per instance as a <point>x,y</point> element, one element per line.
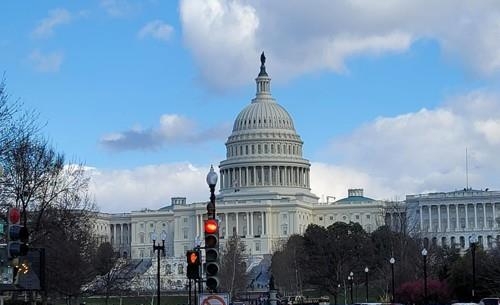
<point>243,224</point>
<point>458,217</point>
<point>264,175</point>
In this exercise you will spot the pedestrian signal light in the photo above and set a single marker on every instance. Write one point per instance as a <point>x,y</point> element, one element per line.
<point>193,264</point>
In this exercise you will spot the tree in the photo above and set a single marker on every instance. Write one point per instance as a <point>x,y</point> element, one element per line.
<point>233,276</point>
<point>110,271</point>
<point>286,266</point>
<point>52,196</point>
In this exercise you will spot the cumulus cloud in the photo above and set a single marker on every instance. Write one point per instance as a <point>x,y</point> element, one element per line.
<point>49,62</point>
<point>173,128</point>
<point>302,37</point>
<point>418,152</point>
<point>149,186</point>
<point>156,29</point>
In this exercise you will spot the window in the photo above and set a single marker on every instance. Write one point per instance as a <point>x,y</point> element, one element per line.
<point>185,219</point>
<point>321,219</point>
<point>368,216</point>
<point>142,226</point>
<point>331,217</point>
<point>151,225</point>
<point>257,246</point>
<point>357,216</point>
<point>180,269</point>
<point>185,233</point>
<point>141,237</point>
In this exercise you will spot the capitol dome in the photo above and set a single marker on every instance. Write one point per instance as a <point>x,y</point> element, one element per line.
<point>264,152</point>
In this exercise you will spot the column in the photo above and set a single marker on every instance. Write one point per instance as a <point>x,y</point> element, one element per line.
<point>248,225</point>
<point>261,223</point>
<point>466,217</point>
<point>430,217</point>
<point>251,224</point>
<point>458,221</point>
<point>237,224</point>
<point>448,218</point>
<point>439,217</point>
<point>226,225</point>
<point>197,225</point>
<point>484,216</point>
<point>254,175</point>
<point>270,175</point>
<point>475,215</point>
<point>421,219</point>
<point>494,214</point>
<point>239,177</point>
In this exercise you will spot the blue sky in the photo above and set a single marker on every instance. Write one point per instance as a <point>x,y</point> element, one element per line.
<point>386,96</point>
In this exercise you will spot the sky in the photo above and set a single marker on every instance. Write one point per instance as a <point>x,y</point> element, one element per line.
<point>387,95</point>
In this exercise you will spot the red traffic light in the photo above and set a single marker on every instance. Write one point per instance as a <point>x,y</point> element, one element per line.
<point>211,226</point>
<point>14,216</point>
<point>193,257</point>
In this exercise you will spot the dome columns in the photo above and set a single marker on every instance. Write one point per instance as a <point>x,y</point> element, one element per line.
<point>240,177</point>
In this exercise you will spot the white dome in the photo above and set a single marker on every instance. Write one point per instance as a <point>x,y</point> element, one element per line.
<point>263,115</point>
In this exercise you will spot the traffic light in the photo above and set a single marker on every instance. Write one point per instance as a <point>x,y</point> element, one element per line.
<point>17,235</point>
<point>194,262</point>
<point>212,254</point>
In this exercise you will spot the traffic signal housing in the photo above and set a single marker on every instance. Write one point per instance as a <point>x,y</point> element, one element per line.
<point>193,264</point>
<point>17,235</point>
<point>212,254</point>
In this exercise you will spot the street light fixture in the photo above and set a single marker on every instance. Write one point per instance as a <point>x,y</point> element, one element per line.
<point>366,283</point>
<point>392,261</point>
<point>211,181</point>
<point>424,256</point>
<point>158,248</point>
<point>473,242</point>
<point>351,277</point>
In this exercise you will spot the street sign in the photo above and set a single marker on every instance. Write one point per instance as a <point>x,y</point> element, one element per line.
<point>214,299</point>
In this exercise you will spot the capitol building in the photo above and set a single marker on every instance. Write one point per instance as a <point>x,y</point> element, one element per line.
<point>264,197</point>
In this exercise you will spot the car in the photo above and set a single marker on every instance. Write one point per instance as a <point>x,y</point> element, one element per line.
<point>490,301</point>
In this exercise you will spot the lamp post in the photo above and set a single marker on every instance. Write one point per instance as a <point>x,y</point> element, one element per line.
<point>392,261</point>
<point>473,242</point>
<point>424,256</point>
<point>211,181</point>
<point>366,283</point>
<point>351,277</point>
<point>158,248</point>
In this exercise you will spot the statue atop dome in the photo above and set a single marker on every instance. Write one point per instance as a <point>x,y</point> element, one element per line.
<point>262,65</point>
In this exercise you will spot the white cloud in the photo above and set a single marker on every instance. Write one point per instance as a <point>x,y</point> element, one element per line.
<point>56,17</point>
<point>50,62</point>
<point>173,128</point>
<point>147,186</point>
<point>156,29</point>
<point>120,8</point>
<point>420,152</point>
<point>301,37</point>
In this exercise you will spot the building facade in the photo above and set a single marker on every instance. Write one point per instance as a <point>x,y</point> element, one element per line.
<point>265,197</point>
<point>457,218</point>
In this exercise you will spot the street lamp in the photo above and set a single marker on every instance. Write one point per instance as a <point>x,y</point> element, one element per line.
<point>473,242</point>
<point>211,181</point>
<point>392,261</point>
<point>424,256</point>
<point>366,283</point>
<point>158,248</point>
<point>351,277</point>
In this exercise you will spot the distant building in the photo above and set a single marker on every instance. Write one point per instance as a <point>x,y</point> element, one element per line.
<point>452,218</point>
<point>264,192</point>
<point>265,197</point>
